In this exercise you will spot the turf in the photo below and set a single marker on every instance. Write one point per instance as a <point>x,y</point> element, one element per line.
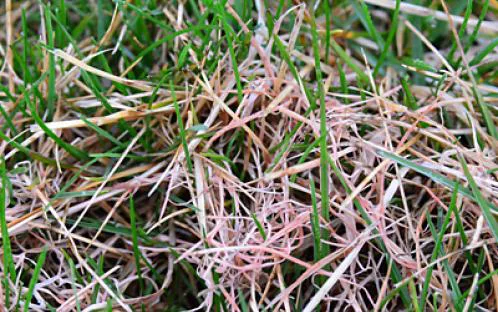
<point>249,155</point>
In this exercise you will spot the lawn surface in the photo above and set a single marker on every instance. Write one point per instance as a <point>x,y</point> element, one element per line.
<point>249,155</point>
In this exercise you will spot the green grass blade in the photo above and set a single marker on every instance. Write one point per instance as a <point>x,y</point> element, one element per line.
<point>390,38</point>
<point>61,16</point>
<point>481,281</point>
<point>449,271</point>
<point>409,99</point>
<point>475,32</point>
<point>181,129</point>
<point>463,28</point>
<point>100,272</point>
<point>73,151</point>
<point>25,66</point>
<point>51,64</point>
<point>436,177</point>
<point>486,114</point>
<point>260,227</point>
<point>74,279</point>
<point>347,59</point>
<point>34,278</point>
<point>364,14</point>
<point>483,203</point>
<point>328,33</point>
<point>8,260</point>
<point>31,154</point>
<point>100,19</point>
<point>244,307</point>
<point>324,162</point>
<point>136,250</point>
<point>8,121</point>
<point>304,156</point>
<point>315,223</point>
<point>413,294</point>
<point>439,241</point>
<point>103,133</point>
<point>230,34</point>
<point>484,52</point>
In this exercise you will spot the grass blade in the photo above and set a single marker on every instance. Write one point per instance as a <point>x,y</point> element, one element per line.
<point>347,59</point>
<point>439,241</point>
<point>8,260</point>
<point>483,203</point>
<point>436,177</point>
<point>390,38</point>
<point>136,250</point>
<point>324,157</point>
<point>34,278</point>
<point>260,227</point>
<point>73,151</point>
<point>181,129</point>
<point>51,64</point>
<point>315,224</point>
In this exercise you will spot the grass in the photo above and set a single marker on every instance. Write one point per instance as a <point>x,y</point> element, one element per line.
<point>249,155</point>
<point>51,97</point>
<point>437,246</point>
<point>136,250</point>
<point>181,129</point>
<point>481,201</point>
<point>8,259</point>
<point>34,278</point>
<point>324,163</point>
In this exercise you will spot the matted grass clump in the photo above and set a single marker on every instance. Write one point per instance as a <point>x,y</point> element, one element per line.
<point>249,155</point>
